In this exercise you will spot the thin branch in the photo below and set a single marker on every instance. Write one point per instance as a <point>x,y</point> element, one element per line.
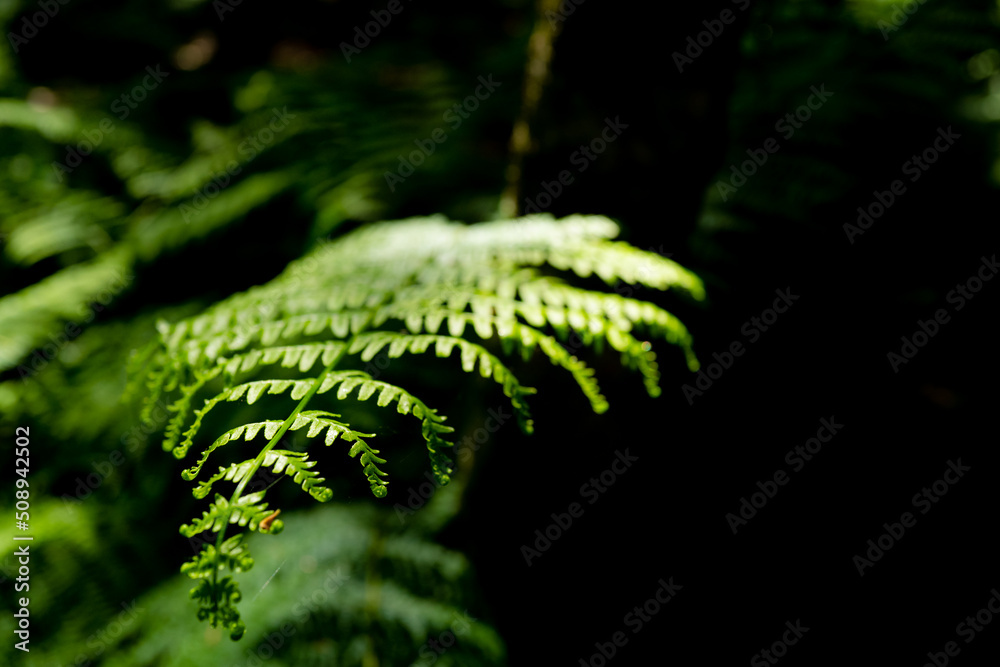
<point>536,74</point>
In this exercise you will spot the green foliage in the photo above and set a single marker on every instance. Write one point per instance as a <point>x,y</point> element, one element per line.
<point>72,236</point>
<point>404,287</point>
<point>885,79</point>
<point>371,587</point>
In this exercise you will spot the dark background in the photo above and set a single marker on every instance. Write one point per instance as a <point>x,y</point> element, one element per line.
<point>826,357</point>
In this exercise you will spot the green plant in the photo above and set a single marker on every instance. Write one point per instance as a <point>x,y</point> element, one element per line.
<point>347,301</point>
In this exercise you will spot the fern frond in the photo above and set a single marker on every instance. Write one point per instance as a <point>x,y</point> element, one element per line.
<point>512,333</point>
<point>471,355</point>
<point>294,464</point>
<point>303,356</point>
<point>253,391</point>
<point>216,602</point>
<point>246,431</point>
<point>156,379</point>
<point>596,317</point>
<point>246,511</point>
<point>233,554</point>
<point>615,260</point>
<point>431,423</point>
<point>403,288</point>
<point>182,406</point>
<point>317,421</point>
<point>624,313</point>
<point>202,351</point>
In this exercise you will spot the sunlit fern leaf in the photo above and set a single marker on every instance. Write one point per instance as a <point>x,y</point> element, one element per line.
<point>401,288</point>
<point>233,554</point>
<point>291,463</point>
<point>246,510</point>
<point>295,464</point>
<point>471,354</point>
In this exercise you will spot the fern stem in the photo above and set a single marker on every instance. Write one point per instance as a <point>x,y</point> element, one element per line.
<point>277,437</point>
<point>536,74</point>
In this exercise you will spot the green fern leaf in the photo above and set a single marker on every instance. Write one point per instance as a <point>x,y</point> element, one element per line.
<point>247,510</point>
<point>316,420</point>
<point>472,354</point>
<point>295,464</point>
<point>404,288</point>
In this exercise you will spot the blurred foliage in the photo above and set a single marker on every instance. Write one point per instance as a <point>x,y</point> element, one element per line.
<point>153,174</point>
<point>369,588</point>
<point>893,77</point>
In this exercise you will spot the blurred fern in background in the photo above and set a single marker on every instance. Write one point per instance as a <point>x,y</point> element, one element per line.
<point>109,218</point>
